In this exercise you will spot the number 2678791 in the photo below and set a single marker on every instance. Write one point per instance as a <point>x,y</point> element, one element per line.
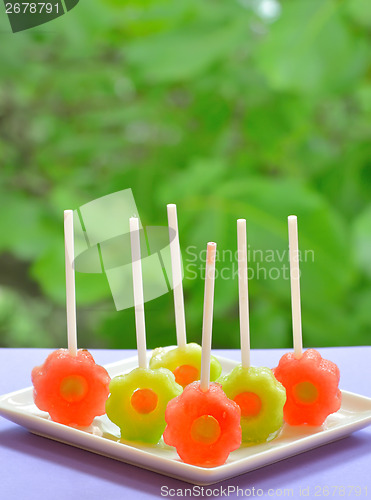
<point>32,8</point>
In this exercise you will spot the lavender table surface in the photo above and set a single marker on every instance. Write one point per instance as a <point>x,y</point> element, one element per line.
<point>32,467</point>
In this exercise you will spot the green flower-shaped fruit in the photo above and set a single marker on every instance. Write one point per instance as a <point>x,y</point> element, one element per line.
<point>184,362</point>
<point>261,399</point>
<point>138,401</point>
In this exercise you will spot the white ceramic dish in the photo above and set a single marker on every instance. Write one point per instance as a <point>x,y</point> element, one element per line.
<point>102,436</point>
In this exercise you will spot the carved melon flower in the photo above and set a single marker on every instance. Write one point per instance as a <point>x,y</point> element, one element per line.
<point>138,401</point>
<point>261,399</point>
<point>311,384</point>
<point>204,426</point>
<point>184,362</point>
<point>72,389</point>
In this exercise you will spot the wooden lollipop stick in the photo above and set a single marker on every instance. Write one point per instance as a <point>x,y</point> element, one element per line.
<point>138,292</point>
<point>295,285</point>
<point>176,268</point>
<point>207,324</point>
<point>243,292</point>
<point>69,255</point>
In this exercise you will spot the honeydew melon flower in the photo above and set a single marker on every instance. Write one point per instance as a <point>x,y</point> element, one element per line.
<point>261,399</point>
<point>138,401</point>
<point>184,362</point>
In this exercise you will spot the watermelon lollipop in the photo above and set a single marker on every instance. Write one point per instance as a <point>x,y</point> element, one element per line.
<point>71,388</point>
<point>202,423</point>
<point>69,385</point>
<point>311,382</point>
<point>185,360</point>
<point>257,392</point>
<point>138,399</point>
<point>312,387</point>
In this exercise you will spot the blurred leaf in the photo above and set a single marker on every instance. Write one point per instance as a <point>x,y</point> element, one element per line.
<point>360,11</point>
<point>25,227</point>
<point>20,321</point>
<point>186,53</point>
<point>310,49</point>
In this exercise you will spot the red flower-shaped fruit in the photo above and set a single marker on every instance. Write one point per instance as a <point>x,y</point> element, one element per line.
<point>72,389</point>
<point>311,384</point>
<point>203,426</point>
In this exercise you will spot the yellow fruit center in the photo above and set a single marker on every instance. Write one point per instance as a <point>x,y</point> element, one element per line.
<point>305,392</point>
<point>144,400</point>
<point>185,374</point>
<point>249,402</point>
<point>74,388</point>
<point>205,429</point>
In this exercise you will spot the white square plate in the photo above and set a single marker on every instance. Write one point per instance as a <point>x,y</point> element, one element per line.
<point>103,437</point>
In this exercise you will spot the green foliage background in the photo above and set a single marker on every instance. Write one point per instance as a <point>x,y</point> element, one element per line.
<point>227,109</point>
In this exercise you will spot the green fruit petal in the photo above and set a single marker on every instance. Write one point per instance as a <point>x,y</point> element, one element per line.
<point>188,355</point>
<point>261,381</point>
<point>136,426</point>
